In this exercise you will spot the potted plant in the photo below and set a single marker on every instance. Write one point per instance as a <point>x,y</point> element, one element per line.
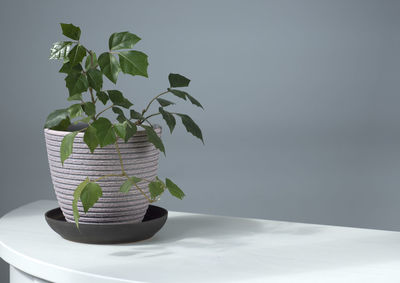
<point>106,172</point>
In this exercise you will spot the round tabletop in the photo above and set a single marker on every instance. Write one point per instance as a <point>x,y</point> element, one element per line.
<point>203,248</point>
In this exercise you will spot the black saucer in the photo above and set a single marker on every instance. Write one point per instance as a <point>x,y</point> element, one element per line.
<point>153,221</point>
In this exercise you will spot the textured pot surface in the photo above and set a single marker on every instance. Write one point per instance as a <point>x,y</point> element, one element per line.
<point>140,159</point>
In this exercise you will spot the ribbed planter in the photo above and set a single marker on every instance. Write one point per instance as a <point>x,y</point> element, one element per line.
<point>140,159</point>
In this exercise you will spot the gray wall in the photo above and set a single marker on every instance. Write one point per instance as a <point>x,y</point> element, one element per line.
<point>302,102</point>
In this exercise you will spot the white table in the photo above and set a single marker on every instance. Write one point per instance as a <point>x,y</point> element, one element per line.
<point>195,248</point>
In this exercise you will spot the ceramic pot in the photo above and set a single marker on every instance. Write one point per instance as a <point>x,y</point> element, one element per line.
<point>140,159</point>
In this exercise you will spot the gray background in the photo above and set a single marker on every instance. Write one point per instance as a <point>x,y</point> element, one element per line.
<point>301,97</point>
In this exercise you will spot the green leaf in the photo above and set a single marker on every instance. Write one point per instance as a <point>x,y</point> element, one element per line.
<point>154,138</point>
<point>178,93</point>
<point>156,188</point>
<point>75,110</point>
<point>122,40</point>
<point>109,66</point>
<point>169,118</point>
<point>89,108</point>
<point>120,129</point>
<point>90,195</point>
<point>66,146</point>
<point>71,31</point>
<point>76,83</point>
<point>134,63</point>
<point>55,118</point>
<point>77,195</point>
<point>90,138</point>
<point>194,101</point>
<point>60,49</point>
<point>121,116</point>
<point>136,115</point>
<point>131,129</point>
<point>91,62</point>
<point>104,131</point>
<point>176,80</point>
<point>77,96</point>
<point>76,54</point>
<point>164,102</point>
<point>95,79</point>
<point>68,68</point>
<point>102,96</point>
<point>191,126</point>
<point>63,125</point>
<point>127,185</point>
<point>125,130</point>
<point>174,189</point>
<point>83,120</point>
<point>118,99</point>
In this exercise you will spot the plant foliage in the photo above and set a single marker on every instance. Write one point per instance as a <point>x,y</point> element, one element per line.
<point>85,76</point>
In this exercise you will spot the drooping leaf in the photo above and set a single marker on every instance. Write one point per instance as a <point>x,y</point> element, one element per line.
<point>127,185</point>
<point>71,31</point>
<point>77,195</point>
<point>176,80</point>
<point>60,49</point>
<point>77,96</point>
<point>121,116</point>
<point>90,138</point>
<point>89,108</point>
<point>136,115</point>
<point>76,83</point>
<point>191,126</point>
<point>91,60</point>
<point>68,68</point>
<point>120,129</point>
<point>104,131</point>
<point>169,119</point>
<point>133,62</point>
<point>66,146</point>
<point>122,40</point>
<point>75,110</point>
<point>55,118</point>
<point>154,138</point>
<point>164,102</point>
<point>174,189</point>
<point>178,93</point>
<point>109,66</point>
<point>102,96</point>
<point>63,125</point>
<point>76,54</point>
<point>90,195</point>
<point>118,99</point>
<point>131,129</point>
<point>95,79</point>
<point>194,101</point>
<point>156,188</point>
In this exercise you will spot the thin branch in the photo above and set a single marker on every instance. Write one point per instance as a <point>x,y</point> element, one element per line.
<point>104,111</point>
<point>151,101</point>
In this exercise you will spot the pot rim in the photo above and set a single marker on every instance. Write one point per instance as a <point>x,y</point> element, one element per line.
<point>157,128</point>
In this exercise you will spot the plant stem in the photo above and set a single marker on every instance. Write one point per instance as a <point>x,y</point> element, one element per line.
<point>151,101</point>
<point>120,158</point>
<point>126,175</point>
<point>91,95</point>
<point>97,116</point>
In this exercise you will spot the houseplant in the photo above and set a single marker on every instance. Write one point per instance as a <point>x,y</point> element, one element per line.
<point>101,167</point>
